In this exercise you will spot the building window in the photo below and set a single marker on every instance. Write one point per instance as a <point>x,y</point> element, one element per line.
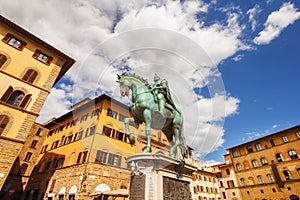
<point>82,157</point>
<point>33,144</point>
<point>224,195</point>
<point>287,175</point>
<point>30,76</point>
<point>234,154</point>
<point>270,178</point>
<point>84,117</point>
<point>227,171</point>
<point>279,157</point>
<point>39,132</point>
<point>44,149</point>
<point>273,189</point>
<point>28,156</point>
<point>68,139</point>
<point>59,163</point>
<point>112,113</point>
<point>230,184</point>
<point>285,139</point>
<point>258,147</point>
<point>243,182</point>
<point>16,98</point>
<point>14,42</point>
<point>122,117</point>
<point>249,149</point>
<point>101,156</point>
<point>238,167</point>
<point>42,57</point>
<point>298,133</point>
<point>221,184</point>
<point>55,144</point>
<point>96,112</point>
<point>90,131</point>
<point>264,161</point>
<point>298,170</point>
<point>108,158</point>
<point>3,123</point>
<point>272,142</point>
<point>260,179</point>
<point>23,169</point>
<point>255,163</point>
<point>114,160</point>
<point>3,59</point>
<point>293,155</point>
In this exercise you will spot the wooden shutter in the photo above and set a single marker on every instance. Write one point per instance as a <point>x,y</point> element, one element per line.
<point>7,37</point>
<point>25,101</point>
<point>7,94</point>
<point>49,60</point>
<point>36,53</point>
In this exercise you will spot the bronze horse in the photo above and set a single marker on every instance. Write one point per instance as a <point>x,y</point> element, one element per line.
<point>144,106</point>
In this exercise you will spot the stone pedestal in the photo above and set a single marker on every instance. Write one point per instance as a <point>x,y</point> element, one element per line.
<point>159,177</point>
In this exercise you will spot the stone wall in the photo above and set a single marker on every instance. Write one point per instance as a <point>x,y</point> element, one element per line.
<point>85,177</point>
<point>9,150</point>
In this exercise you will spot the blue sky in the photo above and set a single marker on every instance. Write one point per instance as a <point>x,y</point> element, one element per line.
<point>266,82</point>
<point>245,52</point>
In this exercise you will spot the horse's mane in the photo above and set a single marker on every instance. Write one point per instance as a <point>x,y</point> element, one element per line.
<point>145,81</point>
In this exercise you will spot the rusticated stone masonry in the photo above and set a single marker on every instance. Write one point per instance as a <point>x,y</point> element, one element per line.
<point>8,152</point>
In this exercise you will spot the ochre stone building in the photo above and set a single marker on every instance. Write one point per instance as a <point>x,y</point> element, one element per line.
<point>29,67</point>
<point>85,151</point>
<point>269,167</point>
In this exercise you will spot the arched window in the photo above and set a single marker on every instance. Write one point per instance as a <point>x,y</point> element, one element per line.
<point>255,163</point>
<point>243,182</point>
<point>298,170</point>
<point>270,178</point>
<point>264,161</point>
<point>287,175</point>
<point>23,169</point>
<point>279,157</point>
<point>3,59</point>
<point>3,122</point>
<point>260,179</point>
<point>30,75</point>
<point>238,167</point>
<point>16,98</point>
<point>293,155</point>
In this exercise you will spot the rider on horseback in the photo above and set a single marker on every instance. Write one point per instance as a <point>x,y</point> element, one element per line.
<point>162,94</point>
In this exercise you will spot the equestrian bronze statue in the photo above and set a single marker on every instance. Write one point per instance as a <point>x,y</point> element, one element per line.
<point>153,105</point>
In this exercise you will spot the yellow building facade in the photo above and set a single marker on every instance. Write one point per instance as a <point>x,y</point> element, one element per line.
<point>269,167</point>
<point>85,151</point>
<point>29,67</point>
<point>205,185</point>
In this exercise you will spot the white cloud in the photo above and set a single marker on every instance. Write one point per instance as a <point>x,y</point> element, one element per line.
<point>57,104</point>
<point>276,22</point>
<point>252,16</point>
<point>147,36</point>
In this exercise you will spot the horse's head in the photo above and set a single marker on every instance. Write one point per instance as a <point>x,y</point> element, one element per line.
<point>124,85</point>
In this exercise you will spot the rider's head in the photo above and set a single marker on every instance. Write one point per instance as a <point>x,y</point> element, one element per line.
<point>156,78</point>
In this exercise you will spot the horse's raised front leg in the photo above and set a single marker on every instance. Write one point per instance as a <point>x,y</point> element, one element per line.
<point>128,134</point>
<point>147,117</point>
